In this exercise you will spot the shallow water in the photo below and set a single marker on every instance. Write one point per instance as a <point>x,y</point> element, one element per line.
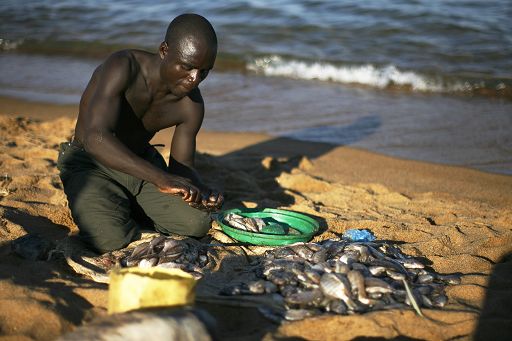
<point>423,45</point>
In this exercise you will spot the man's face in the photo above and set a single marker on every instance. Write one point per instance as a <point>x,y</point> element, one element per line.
<point>186,65</point>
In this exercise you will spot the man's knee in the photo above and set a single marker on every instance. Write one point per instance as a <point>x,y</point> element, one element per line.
<point>200,225</point>
<point>196,224</point>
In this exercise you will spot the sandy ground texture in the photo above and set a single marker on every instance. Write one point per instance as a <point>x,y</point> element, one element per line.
<point>457,220</point>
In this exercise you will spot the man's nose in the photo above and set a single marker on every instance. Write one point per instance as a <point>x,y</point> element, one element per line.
<point>193,76</point>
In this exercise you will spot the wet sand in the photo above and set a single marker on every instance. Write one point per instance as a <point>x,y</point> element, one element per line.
<point>457,219</point>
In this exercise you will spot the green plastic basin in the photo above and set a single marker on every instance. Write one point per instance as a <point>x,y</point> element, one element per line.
<point>283,227</point>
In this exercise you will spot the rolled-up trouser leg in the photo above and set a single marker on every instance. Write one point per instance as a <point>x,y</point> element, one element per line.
<point>101,209</point>
<point>171,214</point>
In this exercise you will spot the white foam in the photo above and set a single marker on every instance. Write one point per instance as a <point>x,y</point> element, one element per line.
<point>7,45</point>
<point>371,75</point>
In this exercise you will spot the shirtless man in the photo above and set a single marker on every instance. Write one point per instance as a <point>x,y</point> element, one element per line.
<point>112,176</point>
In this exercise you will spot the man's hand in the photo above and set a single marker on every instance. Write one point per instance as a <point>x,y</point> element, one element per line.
<point>212,200</point>
<point>184,188</point>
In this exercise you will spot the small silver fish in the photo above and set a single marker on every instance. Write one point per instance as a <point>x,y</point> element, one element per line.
<point>373,285</point>
<point>319,256</point>
<point>357,285</point>
<point>364,252</point>
<point>304,298</point>
<point>450,279</point>
<point>303,251</point>
<point>300,314</point>
<point>337,286</point>
<point>410,263</point>
<point>439,301</point>
<point>337,307</point>
<point>397,276</point>
<point>363,269</point>
<point>377,270</point>
<point>257,287</point>
<point>148,262</point>
<point>424,279</point>
<point>312,275</point>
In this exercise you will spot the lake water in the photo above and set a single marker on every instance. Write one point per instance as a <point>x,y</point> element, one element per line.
<point>424,80</point>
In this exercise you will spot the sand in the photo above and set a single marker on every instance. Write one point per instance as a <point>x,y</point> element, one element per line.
<point>456,219</point>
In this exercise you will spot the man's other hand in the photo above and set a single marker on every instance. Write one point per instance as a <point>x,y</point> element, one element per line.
<point>212,200</point>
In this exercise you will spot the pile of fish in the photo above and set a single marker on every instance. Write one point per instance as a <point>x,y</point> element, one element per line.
<point>169,253</point>
<point>244,223</point>
<point>342,277</point>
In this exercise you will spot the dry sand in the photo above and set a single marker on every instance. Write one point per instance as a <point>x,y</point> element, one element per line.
<point>459,220</point>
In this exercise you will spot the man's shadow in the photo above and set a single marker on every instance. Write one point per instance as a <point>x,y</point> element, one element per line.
<point>41,276</point>
<point>248,176</point>
<point>495,321</point>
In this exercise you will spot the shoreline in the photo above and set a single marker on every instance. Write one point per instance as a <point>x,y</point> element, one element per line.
<point>352,165</point>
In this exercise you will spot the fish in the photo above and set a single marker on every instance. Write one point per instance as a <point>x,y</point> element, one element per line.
<point>244,223</point>
<point>300,314</point>
<point>313,275</point>
<point>148,262</point>
<point>340,277</point>
<point>426,278</point>
<point>281,278</point>
<point>302,251</point>
<point>361,268</point>
<point>319,256</point>
<point>170,253</point>
<point>337,286</point>
<point>257,287</point>
<point>363,250</point>
<point>377,270</point>
<point>338,307</point>
<point>450,279</point>
<point>411,263</point>
<point>439,301</point>
<point>304,298</point>
<point>357,284</point>
<point>397,276</point>
<point>376,285</point>
<point>349,257</point>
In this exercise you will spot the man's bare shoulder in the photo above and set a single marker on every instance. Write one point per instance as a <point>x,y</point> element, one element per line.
<point>123,62</point>
<point>121,68</point>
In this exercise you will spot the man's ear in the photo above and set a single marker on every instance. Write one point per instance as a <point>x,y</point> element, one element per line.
<point>163,49</point>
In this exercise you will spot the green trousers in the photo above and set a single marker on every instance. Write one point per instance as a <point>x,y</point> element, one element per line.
<point>110,207</point>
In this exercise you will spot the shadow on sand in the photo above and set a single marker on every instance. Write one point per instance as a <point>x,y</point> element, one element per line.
<point>495,322</point>
<point>249,174</point>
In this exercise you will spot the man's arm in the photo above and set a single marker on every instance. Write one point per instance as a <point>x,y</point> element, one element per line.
<point>183,147</point>
<point>102,117</point>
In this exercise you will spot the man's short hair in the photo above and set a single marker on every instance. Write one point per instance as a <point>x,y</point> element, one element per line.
<point>190,24</point>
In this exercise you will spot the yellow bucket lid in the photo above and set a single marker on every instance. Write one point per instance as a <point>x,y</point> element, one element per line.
<point>136,288</point>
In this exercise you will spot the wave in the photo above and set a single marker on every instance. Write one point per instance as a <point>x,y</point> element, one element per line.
<point>370,75</point>
<point>382,77</point>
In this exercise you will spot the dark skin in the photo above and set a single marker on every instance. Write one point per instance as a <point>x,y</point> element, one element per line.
<point>135,94</point>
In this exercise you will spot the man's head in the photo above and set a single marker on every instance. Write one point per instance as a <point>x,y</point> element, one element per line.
<point>188,53</point>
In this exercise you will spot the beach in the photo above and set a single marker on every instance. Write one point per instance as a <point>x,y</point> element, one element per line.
<point>457,219</point>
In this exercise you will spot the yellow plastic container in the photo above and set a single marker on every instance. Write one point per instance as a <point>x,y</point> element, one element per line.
<point>136,288</point>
